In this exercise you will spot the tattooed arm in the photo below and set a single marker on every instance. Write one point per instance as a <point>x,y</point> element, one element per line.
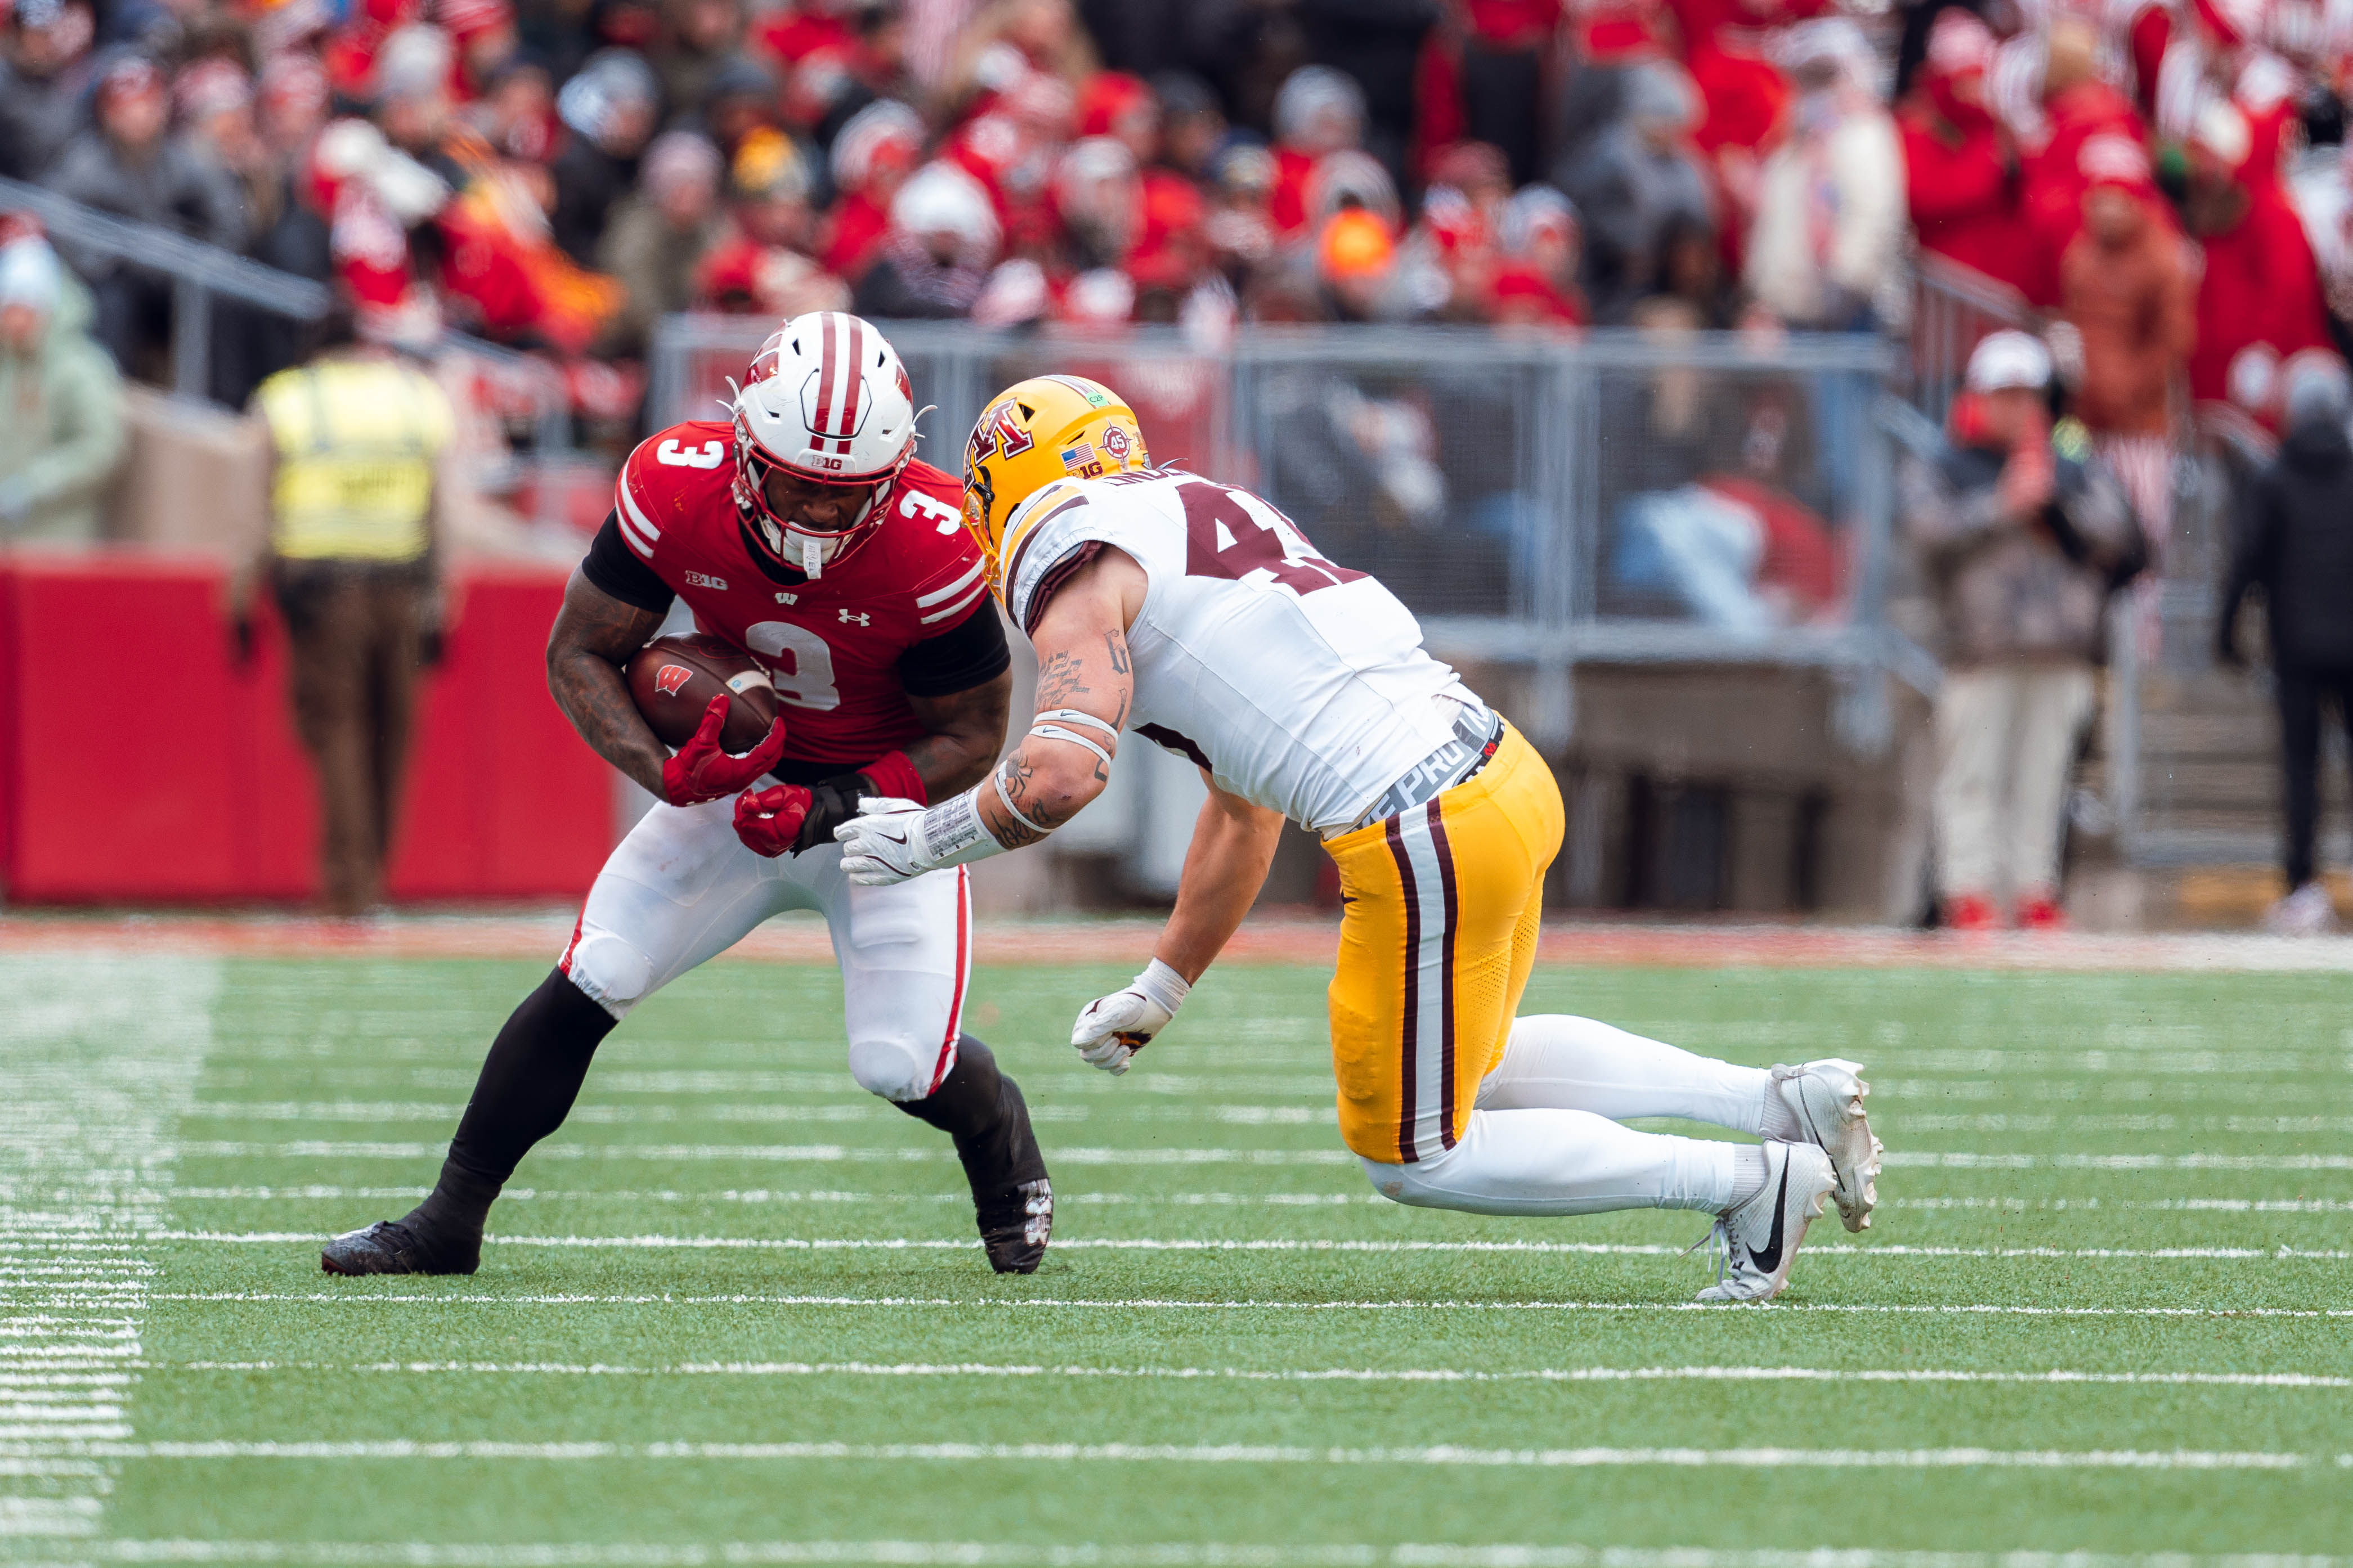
<point>1085,686</point>
<point>588,649</point>
<point>1083,668</point>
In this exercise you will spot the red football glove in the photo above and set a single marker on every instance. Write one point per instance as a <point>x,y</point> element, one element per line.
<point>701,772</point>
<point>768,821</point>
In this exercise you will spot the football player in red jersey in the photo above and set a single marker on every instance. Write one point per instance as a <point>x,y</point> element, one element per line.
<point>802,532</point>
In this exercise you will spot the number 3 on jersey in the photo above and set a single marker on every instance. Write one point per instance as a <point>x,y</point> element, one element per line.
<point>799,663</point>
<point>1224,538</point>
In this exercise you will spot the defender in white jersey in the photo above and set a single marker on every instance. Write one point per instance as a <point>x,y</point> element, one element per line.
<point>1199,617</point>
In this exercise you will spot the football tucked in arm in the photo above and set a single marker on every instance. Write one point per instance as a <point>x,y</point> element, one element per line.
<point>673,680</point>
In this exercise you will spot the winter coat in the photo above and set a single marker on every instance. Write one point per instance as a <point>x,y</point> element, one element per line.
<point>1631,197</point>
<point>2014,589</point>
<point>656,263</point>
<point>1829,240</point>
<point>175,187</point>
<point>2261,285</point>
<point>2136,307</point>
<point>1964,197</point>
<point>61,433</point>
<point>588,182</point>
<point>2296,545</point>
<point>38,117</point>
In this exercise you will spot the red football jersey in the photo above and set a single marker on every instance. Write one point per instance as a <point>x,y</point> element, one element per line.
<point>832,643</point>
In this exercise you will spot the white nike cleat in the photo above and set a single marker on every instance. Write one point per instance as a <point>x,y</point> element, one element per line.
<point>1825,1099</point>
<point>1757,1240</point>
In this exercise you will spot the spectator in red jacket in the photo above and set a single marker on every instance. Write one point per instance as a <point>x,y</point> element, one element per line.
<point>872,158</point>
<point>2259,299</point>
<point>1319,111</point>
<point>1960,174</point>
<point>2079,104</point>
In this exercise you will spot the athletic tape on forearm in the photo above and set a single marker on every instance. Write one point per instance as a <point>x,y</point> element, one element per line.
<point>954,834</point>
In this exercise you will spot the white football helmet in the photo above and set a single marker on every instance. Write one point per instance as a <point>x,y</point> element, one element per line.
<point>828,402</point>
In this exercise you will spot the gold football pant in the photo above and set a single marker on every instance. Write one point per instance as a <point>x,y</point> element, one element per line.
<point>1437,935</point>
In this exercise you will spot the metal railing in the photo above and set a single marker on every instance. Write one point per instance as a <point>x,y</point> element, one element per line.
<point>200,274</point>
<point>1953,307</point>
<point>1530,499</point>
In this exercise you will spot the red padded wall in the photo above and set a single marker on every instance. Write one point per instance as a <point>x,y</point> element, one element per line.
<point>140,763</point>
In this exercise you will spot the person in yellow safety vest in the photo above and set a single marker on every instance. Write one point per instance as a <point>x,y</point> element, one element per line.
<point>355,437</point>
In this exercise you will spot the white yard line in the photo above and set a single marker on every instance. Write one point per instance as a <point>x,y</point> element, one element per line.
<point>2275,1380</point>
<point>1442,1455</point>
<point>1087,1555</point>
<point>360,1296</point>
<point>98,1056</point>
<point>788,1153</point>
<point>1581,1248</point>
<point>827,1154</point>
<point>330,1193</point>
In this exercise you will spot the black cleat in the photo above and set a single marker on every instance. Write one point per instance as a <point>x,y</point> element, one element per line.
<point>395,1247</point>
<point>1014,1229</point>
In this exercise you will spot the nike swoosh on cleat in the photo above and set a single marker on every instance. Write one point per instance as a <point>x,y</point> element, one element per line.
<point>1770,1258</point>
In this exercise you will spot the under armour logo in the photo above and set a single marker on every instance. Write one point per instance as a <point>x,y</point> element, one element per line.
<point>856,617</point>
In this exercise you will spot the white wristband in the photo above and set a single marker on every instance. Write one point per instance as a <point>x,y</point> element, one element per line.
<point>1163,986</point>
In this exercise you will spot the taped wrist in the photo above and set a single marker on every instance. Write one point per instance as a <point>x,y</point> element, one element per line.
<point>832,802</point>
<point>1162,986</point>
<point>954,834</point>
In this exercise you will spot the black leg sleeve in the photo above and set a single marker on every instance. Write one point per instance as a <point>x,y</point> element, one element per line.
<point>982,1111</point>
<point>528,1084</point>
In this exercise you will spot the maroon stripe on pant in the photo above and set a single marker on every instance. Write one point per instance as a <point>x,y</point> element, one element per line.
<point>1446,975</point>
<point>1409,1042</point>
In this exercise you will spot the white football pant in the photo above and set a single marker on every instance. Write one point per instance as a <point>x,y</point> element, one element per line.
<point>681,889</point>
<point>1544,1137</point>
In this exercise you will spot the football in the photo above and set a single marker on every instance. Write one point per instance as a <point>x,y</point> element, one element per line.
<point>673,680</point>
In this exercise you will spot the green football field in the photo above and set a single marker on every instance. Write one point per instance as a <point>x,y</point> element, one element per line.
<point>734,1311</point>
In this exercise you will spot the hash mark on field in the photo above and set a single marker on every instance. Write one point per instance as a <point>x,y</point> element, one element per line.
<point>2291,1380</point>
<point>360,1298</point>
<point>1579,1248</point>
<point>1219,1453</point>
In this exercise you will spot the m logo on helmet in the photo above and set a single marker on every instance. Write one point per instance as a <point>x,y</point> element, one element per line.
<point>999,430</point>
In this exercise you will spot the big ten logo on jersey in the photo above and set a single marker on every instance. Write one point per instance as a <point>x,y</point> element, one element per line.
<point>799,661</point>
<point>916,505</point>
<point>677,455</point>
<point>1230,533</point>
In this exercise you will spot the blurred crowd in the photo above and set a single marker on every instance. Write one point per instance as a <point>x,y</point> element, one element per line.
<point>558,173</point>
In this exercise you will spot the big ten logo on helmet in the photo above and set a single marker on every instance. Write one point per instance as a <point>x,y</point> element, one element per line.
<point>1080,460</point>
<point>669,678</point>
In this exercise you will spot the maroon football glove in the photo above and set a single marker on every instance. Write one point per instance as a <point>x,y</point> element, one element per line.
<point>768,821</point>
<point>701,772</point>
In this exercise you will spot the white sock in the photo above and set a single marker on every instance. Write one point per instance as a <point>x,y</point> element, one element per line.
<point>1564,1162</point>
<point>1555,1061</point>
<point>1747,1173</point>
